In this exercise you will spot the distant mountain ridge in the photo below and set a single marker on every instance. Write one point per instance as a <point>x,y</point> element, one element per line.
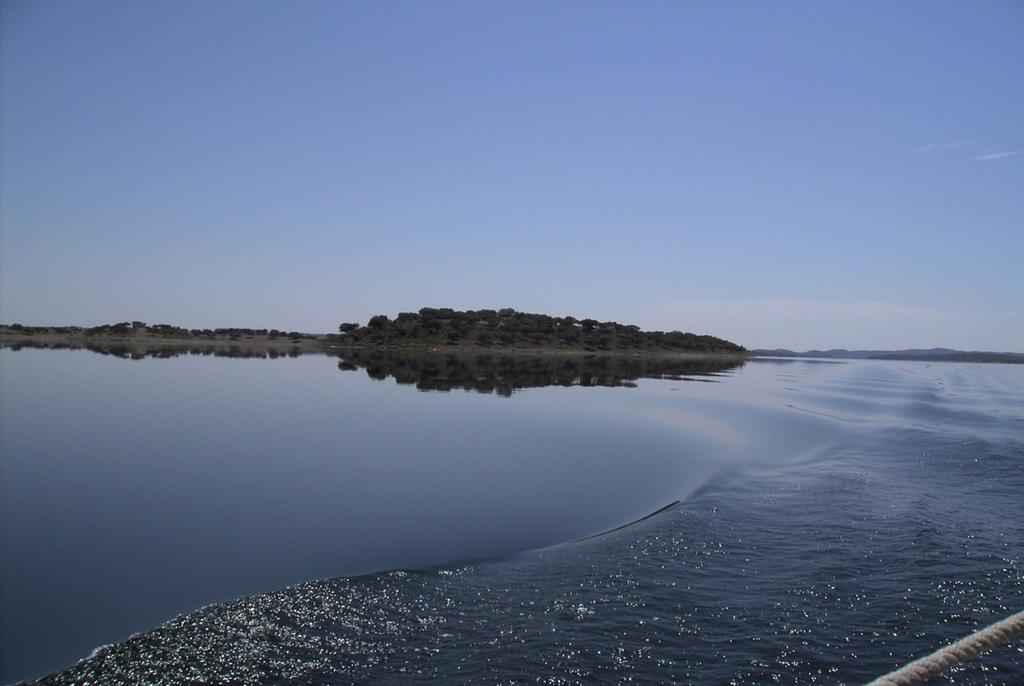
<point>923,354</point>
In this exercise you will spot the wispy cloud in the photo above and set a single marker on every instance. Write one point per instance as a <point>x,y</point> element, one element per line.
<point>998,155</point>
<point>980,154</point>
<point>932,147</point>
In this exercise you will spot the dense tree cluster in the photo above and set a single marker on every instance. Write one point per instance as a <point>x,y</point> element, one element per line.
<point>509,328</point>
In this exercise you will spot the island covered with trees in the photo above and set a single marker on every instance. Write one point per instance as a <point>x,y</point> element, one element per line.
<point>507,328</point>
<point>429,329</point>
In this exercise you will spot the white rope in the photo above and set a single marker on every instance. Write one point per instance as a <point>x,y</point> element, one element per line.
<point>920,671</point>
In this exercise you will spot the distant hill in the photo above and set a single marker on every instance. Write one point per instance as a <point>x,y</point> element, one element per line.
<point>924,354</point>
<point>507,328</point>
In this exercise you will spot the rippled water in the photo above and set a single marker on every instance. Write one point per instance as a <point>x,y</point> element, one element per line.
<point>836,520</point>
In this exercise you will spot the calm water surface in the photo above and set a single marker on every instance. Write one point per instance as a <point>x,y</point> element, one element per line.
<point>835,519</point>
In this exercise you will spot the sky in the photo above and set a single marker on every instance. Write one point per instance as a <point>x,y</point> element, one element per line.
<point>790,174</point>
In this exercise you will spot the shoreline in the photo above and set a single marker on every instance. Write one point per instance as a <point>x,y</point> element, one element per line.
<point>289,344</point>
<point>294,343</point>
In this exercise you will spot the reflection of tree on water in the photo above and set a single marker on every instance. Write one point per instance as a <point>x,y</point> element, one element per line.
<point>497,373</point>
<point>141,351</point>
<point>504,374</point>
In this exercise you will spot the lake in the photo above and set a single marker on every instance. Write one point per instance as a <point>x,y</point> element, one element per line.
<point>393,517</point>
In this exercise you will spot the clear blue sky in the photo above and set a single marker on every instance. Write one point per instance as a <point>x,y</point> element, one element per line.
<point>783,174</point>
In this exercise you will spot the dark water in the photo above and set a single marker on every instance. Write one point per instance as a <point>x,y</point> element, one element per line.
<point>836,519</point>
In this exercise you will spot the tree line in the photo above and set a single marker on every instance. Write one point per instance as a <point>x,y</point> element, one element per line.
<point>162,330</point>
<point>509,328</point>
